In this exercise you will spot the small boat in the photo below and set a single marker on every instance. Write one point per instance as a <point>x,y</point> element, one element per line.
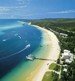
<point>27,46</point>
<point>4,40</point>
<point>30,57</point>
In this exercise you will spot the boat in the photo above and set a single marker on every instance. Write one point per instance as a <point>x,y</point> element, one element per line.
<point>30,57</point>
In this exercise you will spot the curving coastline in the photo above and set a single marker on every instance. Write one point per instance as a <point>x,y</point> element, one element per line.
<point>37,68</point>
<point>51,40</point>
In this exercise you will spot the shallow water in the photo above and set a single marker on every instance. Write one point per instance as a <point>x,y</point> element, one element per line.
<point>14,38</point>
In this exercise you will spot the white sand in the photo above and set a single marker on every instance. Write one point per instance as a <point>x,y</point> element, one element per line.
<point>53,54</point>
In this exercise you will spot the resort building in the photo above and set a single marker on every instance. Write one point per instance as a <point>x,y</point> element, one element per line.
<point>63,35</point>
<point>67,56</point>
<point>65,70</point>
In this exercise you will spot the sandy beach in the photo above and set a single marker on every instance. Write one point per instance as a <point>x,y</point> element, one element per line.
<point>53,54</point>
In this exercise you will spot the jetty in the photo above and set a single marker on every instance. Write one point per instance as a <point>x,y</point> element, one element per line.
<point>32,57</point>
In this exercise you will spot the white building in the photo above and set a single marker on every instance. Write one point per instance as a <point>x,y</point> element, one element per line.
<point>65,70</point>
<point>63,35</point>
<point>67,56</point>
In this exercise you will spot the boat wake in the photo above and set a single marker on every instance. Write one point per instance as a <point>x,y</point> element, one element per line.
<point>26,47</point>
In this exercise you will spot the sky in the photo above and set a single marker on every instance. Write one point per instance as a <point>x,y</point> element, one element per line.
<point>37,9</point>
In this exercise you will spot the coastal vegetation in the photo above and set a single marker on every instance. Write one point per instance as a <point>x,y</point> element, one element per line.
<point>53,73</point>
<point>50,76</point>
<point>65,31</point>
<point>54,66</point>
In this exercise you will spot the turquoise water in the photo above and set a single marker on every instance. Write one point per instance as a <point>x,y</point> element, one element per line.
<point>14,40</point>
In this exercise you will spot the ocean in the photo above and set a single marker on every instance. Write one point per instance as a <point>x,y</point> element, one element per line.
<point>17,40</point>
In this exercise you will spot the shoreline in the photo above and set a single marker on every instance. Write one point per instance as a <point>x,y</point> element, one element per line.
<point>54,50</point>
<point>35,70</point>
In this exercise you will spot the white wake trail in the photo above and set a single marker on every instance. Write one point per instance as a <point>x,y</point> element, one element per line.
<point>26,47</point>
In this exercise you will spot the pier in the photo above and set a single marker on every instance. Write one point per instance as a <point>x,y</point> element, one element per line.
<point>32,58</point>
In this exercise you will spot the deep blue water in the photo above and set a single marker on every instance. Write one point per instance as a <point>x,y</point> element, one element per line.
<point>14,41</point>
